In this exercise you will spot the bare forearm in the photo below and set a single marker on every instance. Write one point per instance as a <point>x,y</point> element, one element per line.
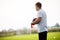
<point>36,21</point>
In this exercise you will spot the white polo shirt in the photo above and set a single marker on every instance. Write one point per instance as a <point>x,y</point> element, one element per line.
<point>42,25</point>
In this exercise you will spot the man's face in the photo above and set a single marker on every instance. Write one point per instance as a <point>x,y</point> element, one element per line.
<point>37,8</point>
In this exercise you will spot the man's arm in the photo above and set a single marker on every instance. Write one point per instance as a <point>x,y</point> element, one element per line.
<point>36,21</point>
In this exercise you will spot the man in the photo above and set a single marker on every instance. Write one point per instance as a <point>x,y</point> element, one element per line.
<point>41,21</point>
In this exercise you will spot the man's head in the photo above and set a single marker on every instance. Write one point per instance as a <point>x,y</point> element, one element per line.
<point>38,6</point>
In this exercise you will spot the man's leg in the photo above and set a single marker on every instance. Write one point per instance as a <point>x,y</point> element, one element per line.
<point>43,36</point>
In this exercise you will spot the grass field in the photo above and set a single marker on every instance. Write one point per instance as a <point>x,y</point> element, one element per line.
<point>51,36</point>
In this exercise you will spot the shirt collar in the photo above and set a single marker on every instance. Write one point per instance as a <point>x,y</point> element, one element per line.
<point>40,10</point>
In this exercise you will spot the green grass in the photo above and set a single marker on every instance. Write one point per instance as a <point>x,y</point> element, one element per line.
<point>51,36</point>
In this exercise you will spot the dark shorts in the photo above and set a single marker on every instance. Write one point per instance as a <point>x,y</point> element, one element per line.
<point>42,35</point>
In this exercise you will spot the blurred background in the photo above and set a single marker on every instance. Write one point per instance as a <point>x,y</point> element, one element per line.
<point>16,16</point>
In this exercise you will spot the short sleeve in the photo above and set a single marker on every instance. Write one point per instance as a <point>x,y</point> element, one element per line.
<point>39,14</point>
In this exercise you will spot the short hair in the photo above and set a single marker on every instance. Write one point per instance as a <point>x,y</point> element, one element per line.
<point>38,4</point>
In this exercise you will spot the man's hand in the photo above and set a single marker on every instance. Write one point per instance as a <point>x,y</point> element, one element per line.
<point>35,21</point>
<point>32,25</point>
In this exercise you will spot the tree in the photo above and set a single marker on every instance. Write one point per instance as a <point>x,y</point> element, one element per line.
<point>57,25</point>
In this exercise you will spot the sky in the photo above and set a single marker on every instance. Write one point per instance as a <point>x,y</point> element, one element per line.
<point>17,14</point>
